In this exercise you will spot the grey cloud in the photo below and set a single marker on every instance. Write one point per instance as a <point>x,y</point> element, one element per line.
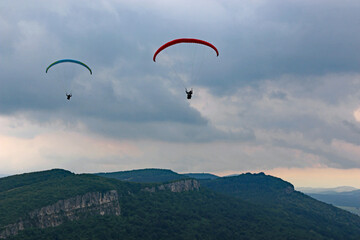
<point>288,44</point>
<point>167,131</point>
<point>121,41</point>
<point>300,38</point>
<point>278,95</point>
<point>329,158</point>
<point>351,126</point>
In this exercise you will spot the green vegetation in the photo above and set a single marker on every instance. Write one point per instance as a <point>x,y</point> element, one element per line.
<point>40,189</point>
<point>189,215</point>
<point>231,208</point>
<point>151,175</point>
<point>21,180</point>
<point>279,196</point>
<point>201,175</point>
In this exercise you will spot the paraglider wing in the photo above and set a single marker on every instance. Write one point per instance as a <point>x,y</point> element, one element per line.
<point>68,60</point>
<point>184,40</point>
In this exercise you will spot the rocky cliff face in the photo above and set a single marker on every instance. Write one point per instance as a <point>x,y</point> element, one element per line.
<point>178,186</point>
<point>89,204</point>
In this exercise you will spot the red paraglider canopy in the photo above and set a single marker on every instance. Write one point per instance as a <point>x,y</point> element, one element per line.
<point>184,40</point>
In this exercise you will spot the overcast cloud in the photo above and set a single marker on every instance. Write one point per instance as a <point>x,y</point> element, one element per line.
<point>283,93</point>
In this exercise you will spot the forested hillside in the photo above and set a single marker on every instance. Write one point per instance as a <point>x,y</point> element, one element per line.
<point>177,209</point>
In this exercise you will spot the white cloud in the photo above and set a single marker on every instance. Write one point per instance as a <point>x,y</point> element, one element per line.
<point>357,114</point>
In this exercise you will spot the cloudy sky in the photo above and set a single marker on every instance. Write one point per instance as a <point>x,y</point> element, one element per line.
<point>283,96</point>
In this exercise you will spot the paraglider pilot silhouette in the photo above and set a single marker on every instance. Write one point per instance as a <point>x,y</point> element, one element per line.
<point>185,40</point>
<point>68,96</point>
<point>189,93</point>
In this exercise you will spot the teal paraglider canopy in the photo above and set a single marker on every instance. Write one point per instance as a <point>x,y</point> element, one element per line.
<point>71,61</point>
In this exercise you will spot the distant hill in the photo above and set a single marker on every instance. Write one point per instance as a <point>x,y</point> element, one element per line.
<point>58,204</point>
<point>201,175</point>
<point>348,199</point>
<point>150,175</point>
<point>355,210</point>
<point>154,175</point>
<point>326,190</point>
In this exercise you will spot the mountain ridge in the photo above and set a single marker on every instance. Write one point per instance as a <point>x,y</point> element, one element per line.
<point>167,211</point>
<point>148,175</point>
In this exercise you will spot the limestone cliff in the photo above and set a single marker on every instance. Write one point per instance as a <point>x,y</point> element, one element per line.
<point>89,204</point>
<point>178,186</point>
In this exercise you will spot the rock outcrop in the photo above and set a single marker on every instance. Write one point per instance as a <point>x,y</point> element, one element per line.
<point>89,204</point>
<point>178,186</point>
